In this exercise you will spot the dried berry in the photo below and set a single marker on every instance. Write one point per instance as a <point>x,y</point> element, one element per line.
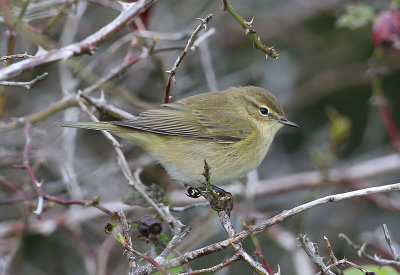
<point>149,225</point>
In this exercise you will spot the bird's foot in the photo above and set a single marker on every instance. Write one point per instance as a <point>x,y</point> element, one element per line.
<point>192,192</point>
<point>220,200</point>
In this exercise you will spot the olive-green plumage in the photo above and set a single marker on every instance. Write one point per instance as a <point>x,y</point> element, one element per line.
<point>232,130</point>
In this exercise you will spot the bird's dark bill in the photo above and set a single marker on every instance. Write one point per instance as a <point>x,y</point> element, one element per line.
<point>286,122</point>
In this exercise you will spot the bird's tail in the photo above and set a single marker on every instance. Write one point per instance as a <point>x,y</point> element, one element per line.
<point>91,125</point>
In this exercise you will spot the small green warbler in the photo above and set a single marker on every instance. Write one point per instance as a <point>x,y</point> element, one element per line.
<point>232,130</point>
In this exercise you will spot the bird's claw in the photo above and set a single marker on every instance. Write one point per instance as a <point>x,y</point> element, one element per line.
<point>223,203</point>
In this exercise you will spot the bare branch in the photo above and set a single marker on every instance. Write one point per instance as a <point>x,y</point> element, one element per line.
<point>390,243</point>
<point>215,268</point>
<point>35,183</point>
<point>26,85</point>
<point>126,232</point>
<point>178,61</point>
<point>226,223</point>
<point>361,252</point>
<point>312,252</point>
<point>104,107</point>
<point>85,46</point>
<point>345,262</point>
<point>332,256</point>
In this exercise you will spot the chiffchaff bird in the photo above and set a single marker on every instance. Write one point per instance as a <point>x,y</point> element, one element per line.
<point>232,130</point>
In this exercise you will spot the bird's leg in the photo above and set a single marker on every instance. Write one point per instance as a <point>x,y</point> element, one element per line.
<point>192,192</point>
<point>224,201</point>
<point>219,199</point>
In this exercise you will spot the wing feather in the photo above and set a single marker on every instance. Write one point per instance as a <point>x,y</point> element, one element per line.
<point>179,119</point>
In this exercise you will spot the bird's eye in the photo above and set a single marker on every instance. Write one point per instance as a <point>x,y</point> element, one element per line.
<point>263,111</point>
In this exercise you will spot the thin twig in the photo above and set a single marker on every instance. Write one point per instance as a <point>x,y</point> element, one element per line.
<point>126,232</point>
<point>60,220</point>
<point>288,241</point>
<point>10,186</point>
<point>332,256</point>
<point>126,228</point>
<point>94,203</point>
<point>150,260</point>
<point>214,268</point>
<point>26,85</point>
<point>390,243</point>
<point>258,251</point>
<point>345,262</point>
<point>256,266</point>
<point>189,45</point>
<point>35,183</point>
<point>312,252</point>
<point>361,252</point>
<point>102,106</point>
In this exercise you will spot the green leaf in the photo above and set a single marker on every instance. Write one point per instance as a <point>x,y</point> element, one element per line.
<point>356,16</point>
<point>379,270</point>
<point>118,236</point>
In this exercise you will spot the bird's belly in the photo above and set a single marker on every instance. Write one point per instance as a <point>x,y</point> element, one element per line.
<point>183,158</point>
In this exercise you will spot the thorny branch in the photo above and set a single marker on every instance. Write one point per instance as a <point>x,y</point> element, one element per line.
<point>390,243</point>
<point>247,25</point>
<point>129,11</point>
<point>226,223</point>
<point>313,253</point>
<point>178,61</point>
<point>361,251</point>
<point>258,251</point>
<point>35,183</point>
<point>26,85</point>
